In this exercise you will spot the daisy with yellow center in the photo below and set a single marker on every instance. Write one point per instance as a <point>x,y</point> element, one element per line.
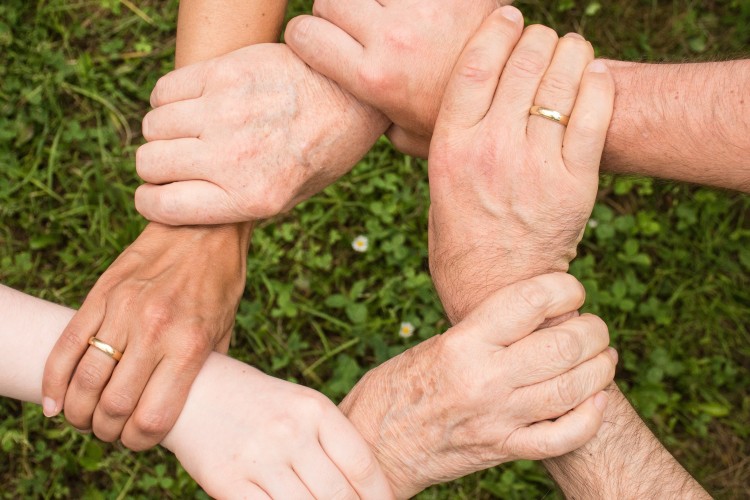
<point>360,244</point>
<point>406,330</point>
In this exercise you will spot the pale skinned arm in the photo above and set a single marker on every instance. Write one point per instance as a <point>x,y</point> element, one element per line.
<point>686,122</point>
<point>233,415</point>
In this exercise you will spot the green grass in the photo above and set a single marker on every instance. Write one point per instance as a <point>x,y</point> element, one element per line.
<point>667,265</point>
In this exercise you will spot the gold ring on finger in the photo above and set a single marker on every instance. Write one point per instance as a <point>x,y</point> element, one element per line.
<point>105,348</point>
<point>550,114</point>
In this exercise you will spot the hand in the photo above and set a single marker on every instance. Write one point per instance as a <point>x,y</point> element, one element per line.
<point>396,56</point>
<point>485,392</point>
<point>511,193</point>
<point>246,136</point>
<point>244,434</point>
<point>166,303</point>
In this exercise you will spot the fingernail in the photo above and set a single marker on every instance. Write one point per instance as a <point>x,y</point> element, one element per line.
<point>598,66</point>
<point>600,400</point>
<point>574,35</point>
<point>613,352</point>
<point>511,13</point>
<point>49,407</point>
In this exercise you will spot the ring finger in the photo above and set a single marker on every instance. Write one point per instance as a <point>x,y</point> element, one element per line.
<point>559,89</point>
<point>91,376</point>
<point>121,395</point>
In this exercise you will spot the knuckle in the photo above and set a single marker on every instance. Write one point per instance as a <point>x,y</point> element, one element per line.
<point>527,63</point>
<point>542,32</point>
<point>533,295</point>
<point>89,377</point>
<point>160,89</point>
<point>71,341</point>
<point>476,66</point>
<point>155,317</point>
<point>151,423</point>
<point>374,78</point>
<point>117,406</point>
<point>566,391</point>
<point>598,327</point>
<point>557,84</point>
<point>362,468</point>
<point>568,346</point>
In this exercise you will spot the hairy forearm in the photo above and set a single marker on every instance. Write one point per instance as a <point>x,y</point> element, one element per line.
<point>624,460</point>
<point>687,122</point>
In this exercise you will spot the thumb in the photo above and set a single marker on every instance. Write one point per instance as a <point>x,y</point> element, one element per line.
<point>517,310</point>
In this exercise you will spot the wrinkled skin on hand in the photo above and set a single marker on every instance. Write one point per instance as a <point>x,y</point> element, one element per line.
<point>246,136</point>
<point>397,56</point>
<point>483,393</point>
<point>511,193</point>
<point>167,301</point>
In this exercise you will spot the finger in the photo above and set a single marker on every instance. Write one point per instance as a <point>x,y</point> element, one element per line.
<point>329,50</point>
<point>522,75</point>
<point>284,484</point>
<point>356,17</point>
<point>407,143</point>
<point>557,396</point>
<point>354,458</point>
<point>173,121</point>
<point>559,89</point>
<point>515,311</point>
<point>571,431</point>
<point>584,137</point>
<point>475,77</point>
<point>120,397</point>
<point>240,489</point>
<point>162,162</point>
<point>550,352</point>
<point>186,202</point>
<point>67,352</point>
<point>91,376</point>
<point>321,477</point>
<point>163,399</point>
<point>184,83</point>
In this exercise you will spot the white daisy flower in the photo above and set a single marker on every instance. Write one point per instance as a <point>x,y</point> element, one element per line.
<point>360,244</point>
<point>406,330</point>
<point>593,223</point>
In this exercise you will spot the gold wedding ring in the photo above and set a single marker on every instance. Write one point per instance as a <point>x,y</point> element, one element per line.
<point>105,348</point>
<point>550,114</point>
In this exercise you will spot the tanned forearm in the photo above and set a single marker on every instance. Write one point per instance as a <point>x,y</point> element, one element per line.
<point>210,28</point>
<point>624,460</point>
<point>687,122</point>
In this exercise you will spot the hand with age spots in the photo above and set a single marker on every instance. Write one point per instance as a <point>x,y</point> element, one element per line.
<point>246,136</point>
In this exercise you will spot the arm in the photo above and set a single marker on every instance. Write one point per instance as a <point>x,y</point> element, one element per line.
<point>207,28</point>
<point>624,460</point>
<point>687,122</point>
<point>233,416</point>
<point>171,297</point>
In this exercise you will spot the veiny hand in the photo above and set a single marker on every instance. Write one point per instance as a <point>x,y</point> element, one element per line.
<point>511,193</point>
<point>166,303</point>
<point>246,136</point>
<point>485,392</point>
<point>244,434</point>
<point>396,56</point>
